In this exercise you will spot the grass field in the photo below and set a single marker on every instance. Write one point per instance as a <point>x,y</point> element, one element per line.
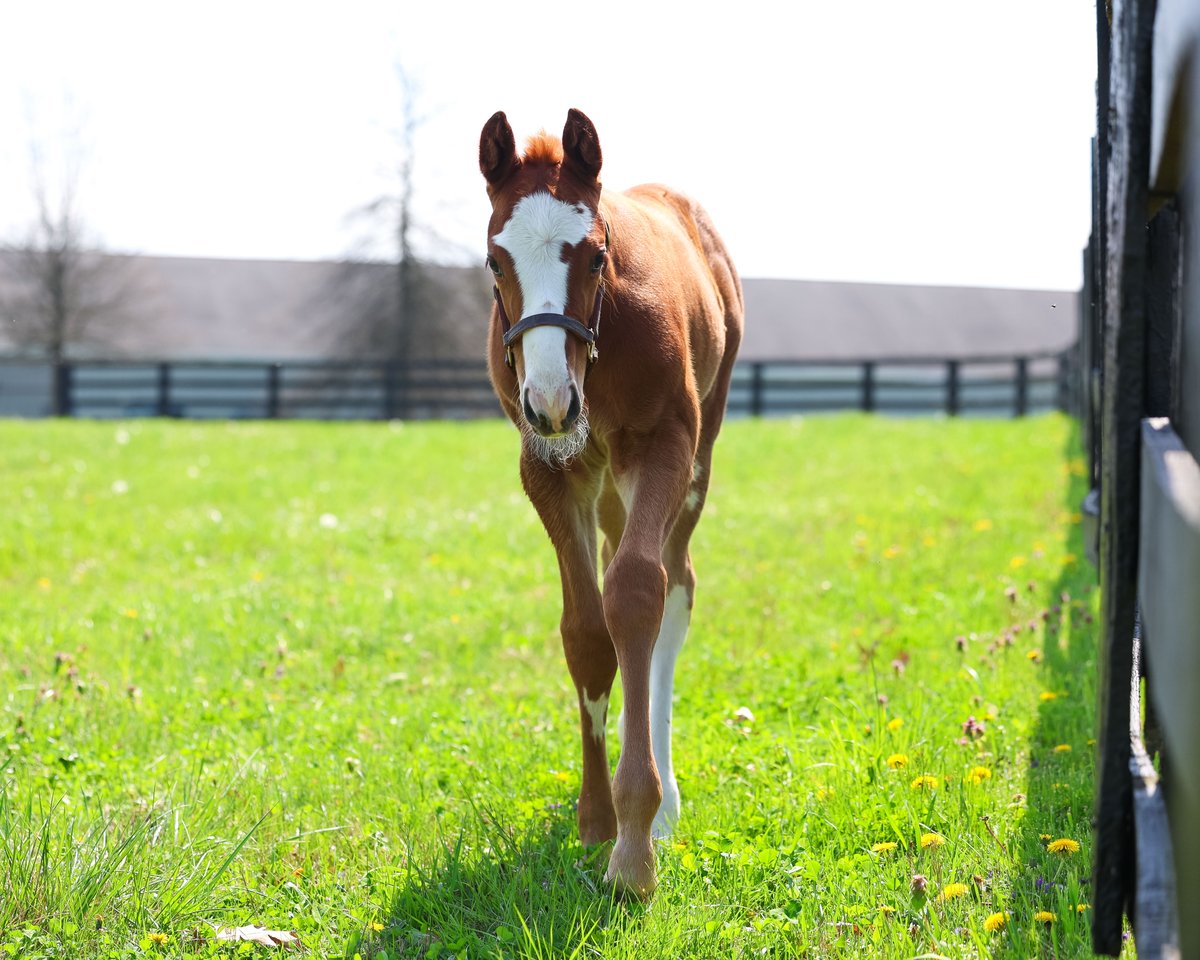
<point>308,676</point>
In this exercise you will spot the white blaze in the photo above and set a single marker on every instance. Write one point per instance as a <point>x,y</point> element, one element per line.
<point>534,237</point>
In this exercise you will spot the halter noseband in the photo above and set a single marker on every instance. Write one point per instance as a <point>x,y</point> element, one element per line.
<point>585,332</point>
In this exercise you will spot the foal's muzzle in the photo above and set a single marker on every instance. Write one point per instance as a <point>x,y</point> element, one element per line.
<point>552,416</point>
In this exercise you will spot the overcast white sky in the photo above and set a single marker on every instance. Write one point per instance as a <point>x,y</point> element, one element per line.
<point>932,141</point>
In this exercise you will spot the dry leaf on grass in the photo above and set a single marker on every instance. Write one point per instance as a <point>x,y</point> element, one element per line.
<point>257,934</point>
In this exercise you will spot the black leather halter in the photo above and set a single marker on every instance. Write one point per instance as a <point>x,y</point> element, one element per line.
<point>585,332</point>
<point>588,332</point>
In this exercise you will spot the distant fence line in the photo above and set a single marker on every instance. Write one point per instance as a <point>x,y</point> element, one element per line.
<point>459,389</point>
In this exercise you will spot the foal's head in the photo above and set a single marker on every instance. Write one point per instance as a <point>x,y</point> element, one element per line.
<point>547,251</point>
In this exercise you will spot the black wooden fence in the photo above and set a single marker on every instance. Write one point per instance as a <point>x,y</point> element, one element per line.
<point>1140,355</point>
<point>456,389</point>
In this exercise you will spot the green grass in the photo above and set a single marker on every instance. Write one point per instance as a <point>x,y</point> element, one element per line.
<point>309,676</point>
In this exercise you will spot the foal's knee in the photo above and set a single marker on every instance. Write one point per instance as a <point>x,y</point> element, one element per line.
<point>635,588</point>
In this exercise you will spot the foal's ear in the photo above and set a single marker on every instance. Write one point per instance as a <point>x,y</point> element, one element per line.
<point>497,150</point>
<point>581,146</point>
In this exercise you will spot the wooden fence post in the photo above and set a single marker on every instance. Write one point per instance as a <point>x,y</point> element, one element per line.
<point>63,401</point>
<point>953,402</point>
<point>164,390</point>
<point>1021,387</point>
<point>868,386</point>
<point>390,374</point>
<point>756,389</point>
<point>273,371</point>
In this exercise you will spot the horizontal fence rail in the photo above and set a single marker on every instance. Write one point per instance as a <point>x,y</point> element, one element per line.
<point>459,389</point>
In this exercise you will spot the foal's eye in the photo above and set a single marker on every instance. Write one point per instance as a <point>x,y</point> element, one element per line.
<point>494,266</point>
<point>598,261</point>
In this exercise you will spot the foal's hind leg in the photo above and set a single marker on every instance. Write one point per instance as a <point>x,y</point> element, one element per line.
<point>677,611</point>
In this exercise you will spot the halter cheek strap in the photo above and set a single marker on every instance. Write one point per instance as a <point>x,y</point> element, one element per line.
<point>586,333</point>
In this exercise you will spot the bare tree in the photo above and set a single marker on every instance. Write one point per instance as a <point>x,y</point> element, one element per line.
<point>57,290</point>
<point>403,308</point>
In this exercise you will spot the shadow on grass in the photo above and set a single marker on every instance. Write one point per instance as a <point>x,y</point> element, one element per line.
<point>497,890</point>
<point>1062,766</point>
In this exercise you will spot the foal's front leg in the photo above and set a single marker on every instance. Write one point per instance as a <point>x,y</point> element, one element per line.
<point>635,589</point>
<point>566,503</point>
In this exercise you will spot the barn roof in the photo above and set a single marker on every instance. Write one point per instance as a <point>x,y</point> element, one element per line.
<point>188,308</point>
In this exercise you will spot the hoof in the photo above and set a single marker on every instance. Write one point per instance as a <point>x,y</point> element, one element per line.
<point>631,868</point>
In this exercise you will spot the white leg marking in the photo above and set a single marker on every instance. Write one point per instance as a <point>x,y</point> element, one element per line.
<point>598,711</point>
<point>676,615</point>
<point>693,497</point>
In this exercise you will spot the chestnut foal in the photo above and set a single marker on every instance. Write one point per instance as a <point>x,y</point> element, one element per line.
<point>616,324</point>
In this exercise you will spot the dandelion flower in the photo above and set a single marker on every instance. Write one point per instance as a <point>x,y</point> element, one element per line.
<point>1035,656</point>
<point>995,922</point>
<point>885,847</point>
<point>824,792</point>
<point>925,782</point>
<point>376,926</point>
<point>1063,846</point>
<point>1045,837</point>
<point>895,723</point>
<point>978,775</point>
<point>1063,748</point>
<point>982,524</point>
<point>1046,695</point>
<point>1080,907</point>
<point>885,910</point>
<point>1044,916</point>
<point>932,840</point>
<point>158,938</point>
<point>897,760</point>
<point>952,890</point>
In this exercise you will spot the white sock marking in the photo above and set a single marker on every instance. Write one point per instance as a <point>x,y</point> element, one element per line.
<point>672,633</point>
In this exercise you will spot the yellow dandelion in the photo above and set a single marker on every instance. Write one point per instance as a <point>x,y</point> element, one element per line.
<point>885,847</point>
<point>157,938</point>
<point>1063,846</point>
<point>895,723</point>
<point>925,782</point>
<point>932,840</point>
<point>1017,562</point>
<point>1069,559</point>
<point>1045,837</point>
<point>995,922</point>
<point>1046,695</point>
<point>897,760</point>
<point>1063,748</point>
<point>885,909</point>
<point>823,792</point>
<point>952,890</point>
<point>981,525</point>
<point>132,615</point>
<point>1034,656</point>
<point>1080,907</point>
<point>1044,916</point>
<point>376,926</point>
<point>978,775</point>
<point>44,583</point>
<point>561,776</point>
<point>891,552</point>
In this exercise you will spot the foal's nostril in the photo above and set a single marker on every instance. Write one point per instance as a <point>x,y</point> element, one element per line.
<point>529,414</point>
<point>572,410</point>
